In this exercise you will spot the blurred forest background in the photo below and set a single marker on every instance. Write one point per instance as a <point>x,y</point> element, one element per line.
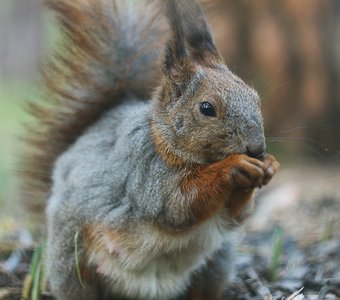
<point>288,50</point>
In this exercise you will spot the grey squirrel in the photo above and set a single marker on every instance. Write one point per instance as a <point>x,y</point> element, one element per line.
<point>150,193</point>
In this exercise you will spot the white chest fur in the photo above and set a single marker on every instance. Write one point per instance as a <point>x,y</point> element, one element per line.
<point>150,264</point>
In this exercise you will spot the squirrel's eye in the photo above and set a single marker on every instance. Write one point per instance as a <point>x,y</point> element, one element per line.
<point>207,109</point>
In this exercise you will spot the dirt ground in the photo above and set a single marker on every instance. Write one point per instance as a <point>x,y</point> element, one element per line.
<point>297,216</point>
<point>290,248</point>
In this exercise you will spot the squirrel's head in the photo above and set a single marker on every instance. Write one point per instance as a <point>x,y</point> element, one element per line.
<point>203,110</point>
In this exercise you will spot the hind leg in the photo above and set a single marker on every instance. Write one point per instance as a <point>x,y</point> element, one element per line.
<point>212,280</point>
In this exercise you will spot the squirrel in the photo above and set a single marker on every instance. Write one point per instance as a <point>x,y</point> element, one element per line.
<point>149,163</point>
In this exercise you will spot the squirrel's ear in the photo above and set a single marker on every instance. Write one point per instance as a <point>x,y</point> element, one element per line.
<point>191,36</point>
<point>177,66</point>
<point>199,40</point>
<point>191,43</point>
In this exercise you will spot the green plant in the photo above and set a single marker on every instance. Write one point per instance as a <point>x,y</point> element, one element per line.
<point>34,281</point>
<point>76,258</point>
<point>276,254</point>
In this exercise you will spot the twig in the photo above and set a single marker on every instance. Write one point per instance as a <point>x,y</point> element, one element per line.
<point>318,284</point>
<point>328,289</point>
<point>256,286</point>
<point>296,293</point>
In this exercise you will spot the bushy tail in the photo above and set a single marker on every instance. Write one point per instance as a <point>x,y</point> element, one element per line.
<point>109,49</point>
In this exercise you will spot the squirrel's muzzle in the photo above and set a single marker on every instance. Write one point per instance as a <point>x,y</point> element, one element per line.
<point>255,141</point>
<point>256,150</point>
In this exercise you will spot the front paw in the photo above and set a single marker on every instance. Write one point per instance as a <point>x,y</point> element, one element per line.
<point>271,165</point>
<point>249,173</point>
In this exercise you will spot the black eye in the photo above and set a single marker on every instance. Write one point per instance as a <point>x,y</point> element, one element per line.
<point>207,109</point>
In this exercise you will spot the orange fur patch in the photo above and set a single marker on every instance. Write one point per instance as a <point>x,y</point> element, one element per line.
<point>100,239</point>
<point>163,150</point>
<point>238,202</point>
<point>215,190</point>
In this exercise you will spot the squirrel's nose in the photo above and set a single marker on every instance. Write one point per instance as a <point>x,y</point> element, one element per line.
<point>256,150</point>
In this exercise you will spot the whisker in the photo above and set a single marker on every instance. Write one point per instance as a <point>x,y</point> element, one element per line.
<point>311,147</point>
<point>270,81</point>
<point>299,127</point>
<point>283,84</point>
<point>299,140</point>
<point>289,156</point>
<point>314,145</point>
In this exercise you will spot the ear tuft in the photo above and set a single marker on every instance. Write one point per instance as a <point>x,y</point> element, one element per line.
<point>191,43</point>
<point>191,36</point>
<point>178,71</point>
